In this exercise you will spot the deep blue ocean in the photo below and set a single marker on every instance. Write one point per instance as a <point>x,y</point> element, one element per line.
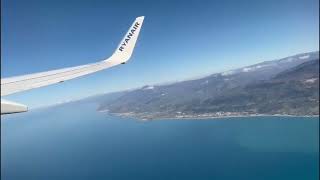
<point>75,142</point>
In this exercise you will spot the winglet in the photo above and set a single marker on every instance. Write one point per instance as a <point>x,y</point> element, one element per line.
<point>126,46</point>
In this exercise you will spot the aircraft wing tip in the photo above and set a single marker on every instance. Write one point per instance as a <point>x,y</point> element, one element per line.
<point>140,17</point>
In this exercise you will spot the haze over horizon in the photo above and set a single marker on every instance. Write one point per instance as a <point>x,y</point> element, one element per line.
<point>178,40</point>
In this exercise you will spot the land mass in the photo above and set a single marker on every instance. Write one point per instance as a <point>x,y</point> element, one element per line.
<point>288,86</point>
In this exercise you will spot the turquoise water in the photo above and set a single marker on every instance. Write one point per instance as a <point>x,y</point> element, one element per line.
<point>76,142</point>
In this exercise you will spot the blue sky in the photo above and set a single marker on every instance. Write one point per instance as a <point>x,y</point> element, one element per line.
<point>179,39</point>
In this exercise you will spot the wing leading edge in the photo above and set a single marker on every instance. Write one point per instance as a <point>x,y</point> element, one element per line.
<point>121,55</point>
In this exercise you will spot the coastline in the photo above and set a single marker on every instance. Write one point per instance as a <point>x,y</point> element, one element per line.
<point>243,116</point>
<point>141,118</point>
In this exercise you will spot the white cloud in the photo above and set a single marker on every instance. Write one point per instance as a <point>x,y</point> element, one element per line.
<point>304,57</point>
<point>312,80</point>
<point>148,88</point>
<point>247,69</point>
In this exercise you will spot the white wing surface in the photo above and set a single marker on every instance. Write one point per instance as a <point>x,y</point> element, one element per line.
<point>26,82</point>
<point>120,56</point>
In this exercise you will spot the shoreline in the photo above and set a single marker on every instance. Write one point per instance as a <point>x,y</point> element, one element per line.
<point>240,116</point>
<point>208,117</point>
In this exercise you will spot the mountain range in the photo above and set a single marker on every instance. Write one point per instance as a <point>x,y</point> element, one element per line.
<point>287,86</point>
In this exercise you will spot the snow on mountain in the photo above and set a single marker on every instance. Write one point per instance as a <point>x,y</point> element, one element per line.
<point>227,73</point>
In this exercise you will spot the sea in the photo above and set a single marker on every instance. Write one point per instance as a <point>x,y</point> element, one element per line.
<point>75,142</point>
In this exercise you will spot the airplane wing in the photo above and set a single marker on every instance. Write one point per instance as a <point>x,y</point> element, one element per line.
<point>26,82</point>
